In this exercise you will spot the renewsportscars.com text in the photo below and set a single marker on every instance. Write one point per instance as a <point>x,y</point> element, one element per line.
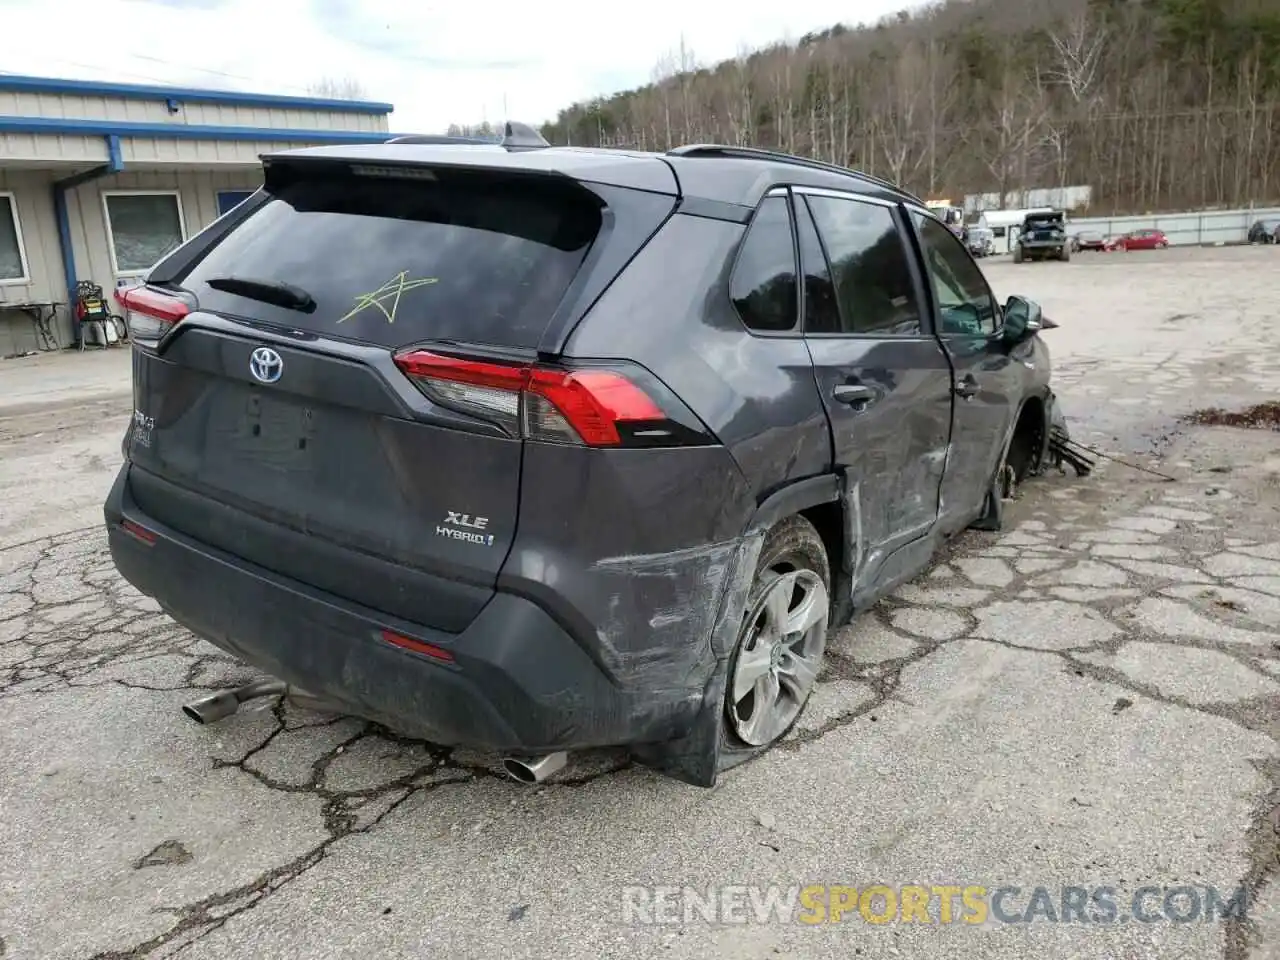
<point>939,904</point>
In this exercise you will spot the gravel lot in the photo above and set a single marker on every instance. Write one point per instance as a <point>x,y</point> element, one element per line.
<point>1090,698</point>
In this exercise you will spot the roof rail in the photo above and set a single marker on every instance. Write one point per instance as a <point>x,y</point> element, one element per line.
<point>515,137</point>
<point>430,139</point>
<point>756,153</point>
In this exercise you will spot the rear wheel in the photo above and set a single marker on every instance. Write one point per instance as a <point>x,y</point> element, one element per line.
<point>783,638</point>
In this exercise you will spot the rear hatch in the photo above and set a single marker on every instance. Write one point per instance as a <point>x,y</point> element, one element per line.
<point>274,422</point>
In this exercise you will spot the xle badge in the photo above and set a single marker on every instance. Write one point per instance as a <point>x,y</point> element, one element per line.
<point>463,526</point>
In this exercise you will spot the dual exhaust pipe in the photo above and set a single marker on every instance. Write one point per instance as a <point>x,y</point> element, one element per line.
<point>224,703</point>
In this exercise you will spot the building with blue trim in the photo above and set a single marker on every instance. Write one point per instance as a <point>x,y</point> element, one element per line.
<point>99,180</point>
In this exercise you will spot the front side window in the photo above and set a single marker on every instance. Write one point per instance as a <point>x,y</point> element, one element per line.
<point>12,263</point>
<point>763,286</point>
<point>145,227</point>
<point>869,266</point>
<point>965,304</point>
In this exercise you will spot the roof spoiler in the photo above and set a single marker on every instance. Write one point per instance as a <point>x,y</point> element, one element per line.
<point>515,137</point>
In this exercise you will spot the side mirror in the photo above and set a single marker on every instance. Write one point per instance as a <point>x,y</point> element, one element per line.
<point>1022,320</point>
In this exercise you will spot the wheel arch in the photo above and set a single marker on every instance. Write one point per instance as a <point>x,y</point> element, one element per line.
<point>821,501</point>
<point>1029,437</point>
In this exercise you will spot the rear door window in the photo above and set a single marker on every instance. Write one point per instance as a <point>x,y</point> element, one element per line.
<point>460,256</point>
<point>873,282</point>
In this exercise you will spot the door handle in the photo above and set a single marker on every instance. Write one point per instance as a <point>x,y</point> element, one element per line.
<point>853,394</point>
<point>967,387</point>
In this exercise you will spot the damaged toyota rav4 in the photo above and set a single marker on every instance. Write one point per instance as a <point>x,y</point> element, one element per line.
<point>537,449</point>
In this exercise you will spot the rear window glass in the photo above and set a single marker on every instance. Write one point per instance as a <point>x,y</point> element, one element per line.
<point>468,257</point>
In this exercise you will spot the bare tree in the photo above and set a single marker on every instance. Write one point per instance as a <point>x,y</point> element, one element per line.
<point>1016,117</point>
<point>338,88</point>
<point>900,93</point>
<point>1078,45</point>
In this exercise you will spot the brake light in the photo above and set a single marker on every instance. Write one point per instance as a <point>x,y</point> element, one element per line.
<point>150,314</point>
<point>541,403</point>
<point>593,402</point>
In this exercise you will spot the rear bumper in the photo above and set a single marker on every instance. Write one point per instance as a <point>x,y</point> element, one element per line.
<point>518,683</point>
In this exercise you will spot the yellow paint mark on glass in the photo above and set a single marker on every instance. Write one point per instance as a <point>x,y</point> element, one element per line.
<point>389,293</point>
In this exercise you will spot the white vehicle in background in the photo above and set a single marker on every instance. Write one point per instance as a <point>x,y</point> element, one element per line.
<point>950,215</point>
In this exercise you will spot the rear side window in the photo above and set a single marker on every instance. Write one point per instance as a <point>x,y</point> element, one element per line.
<point>466,257</point>
<point>763,286</point>
<point>869,265</point>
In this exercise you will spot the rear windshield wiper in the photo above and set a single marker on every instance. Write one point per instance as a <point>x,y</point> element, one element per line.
<point>268,291</point>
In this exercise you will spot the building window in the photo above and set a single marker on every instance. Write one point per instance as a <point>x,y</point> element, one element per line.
<point>228,200</point>
<point>142,227</point>
<point>13,259</point>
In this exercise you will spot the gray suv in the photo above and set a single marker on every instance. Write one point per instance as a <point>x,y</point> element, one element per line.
<point>535,449</point>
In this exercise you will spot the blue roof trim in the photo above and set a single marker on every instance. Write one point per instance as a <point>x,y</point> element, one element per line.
<point>51,126</point>
<point>133,91</point>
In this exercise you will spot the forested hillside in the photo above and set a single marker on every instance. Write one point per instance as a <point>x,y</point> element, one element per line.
<point>1155,104</point>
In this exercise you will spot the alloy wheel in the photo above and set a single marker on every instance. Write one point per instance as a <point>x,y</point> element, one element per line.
<point>779,657</point>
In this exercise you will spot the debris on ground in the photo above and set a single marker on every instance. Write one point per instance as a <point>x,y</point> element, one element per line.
<point>1065,450</point>
<point>1261,416</point>
<point>168,853</point>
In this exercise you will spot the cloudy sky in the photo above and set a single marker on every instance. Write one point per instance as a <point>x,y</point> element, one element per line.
<point>438,62</point>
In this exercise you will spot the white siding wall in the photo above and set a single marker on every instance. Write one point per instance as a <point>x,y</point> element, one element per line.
<point>197,191</point>
<point>17,147</point>
<point>198,152</point>
<point>53,105</point>
<point>33,196</point>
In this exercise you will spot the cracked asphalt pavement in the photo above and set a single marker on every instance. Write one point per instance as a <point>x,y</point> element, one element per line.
<point>1090,697</point>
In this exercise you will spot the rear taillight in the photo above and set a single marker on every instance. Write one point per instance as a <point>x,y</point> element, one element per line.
<point>595,407</point>
<point>150,314</point>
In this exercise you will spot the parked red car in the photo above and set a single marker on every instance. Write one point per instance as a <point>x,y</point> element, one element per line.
<point>1138,240</point>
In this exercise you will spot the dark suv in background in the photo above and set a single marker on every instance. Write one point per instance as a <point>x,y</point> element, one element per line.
<point>543,449</point>
<point>1265,231</point>
<point>1043,236</point>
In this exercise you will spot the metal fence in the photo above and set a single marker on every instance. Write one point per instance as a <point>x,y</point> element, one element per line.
<point>1183,229</point>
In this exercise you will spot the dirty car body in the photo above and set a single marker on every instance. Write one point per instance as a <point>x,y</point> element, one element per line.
<point>486,445</point>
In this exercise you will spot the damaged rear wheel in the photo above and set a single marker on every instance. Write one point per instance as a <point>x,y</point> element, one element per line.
<point>779,652</point>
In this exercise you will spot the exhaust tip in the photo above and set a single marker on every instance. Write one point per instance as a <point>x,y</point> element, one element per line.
<point>192,713</point>
<point>534,770</point>
<point>518,770</point>
<point>213,708</point>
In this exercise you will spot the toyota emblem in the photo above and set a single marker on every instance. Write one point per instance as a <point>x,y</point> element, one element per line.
<point>266,365</point>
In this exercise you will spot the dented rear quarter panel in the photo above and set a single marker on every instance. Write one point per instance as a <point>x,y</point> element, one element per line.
<point>630,550</point>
